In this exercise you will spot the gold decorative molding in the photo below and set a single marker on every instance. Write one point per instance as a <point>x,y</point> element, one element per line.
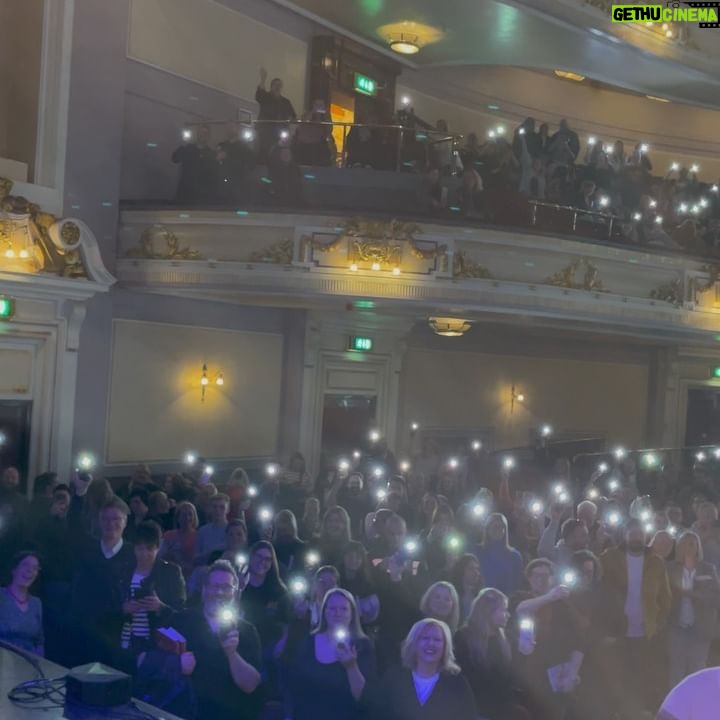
<point>159,243</point>
<point>713,273</point>
<point>670,292</point>
<point>279,253</point>
<point>309,241</point>
<point>34,241</point>
<point>566,277</point>
<point>464,267</point>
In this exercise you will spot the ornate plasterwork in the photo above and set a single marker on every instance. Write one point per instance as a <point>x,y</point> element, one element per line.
<point>566,277</point>
<point>465,267</point>
<point>159,243</point>
<point>34,241</point>
<point>669,292</point>
<point>279,253</point>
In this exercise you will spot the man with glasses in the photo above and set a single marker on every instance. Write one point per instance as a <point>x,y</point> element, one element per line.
<point>223,651</point>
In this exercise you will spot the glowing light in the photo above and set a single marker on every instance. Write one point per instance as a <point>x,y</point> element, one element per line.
<point>357,454</point>
<point>521,131</point>
<point>714,188</point>
<point>603,467</point>
<point>252,491</point>
<point>187,135</point>
<point>374,436</point>
<point>653,203</point>
<point>682,208</point>
<point>614,485</point>
<point>298,586</point>
<point>381,494</point>
<point>271,470</point>
<point>564,498</point>
<point>86,461</point>
<point>378,471</point>
<point>593,493</point>
<point>619,453</point>
<point>312,558</point>
<point>24,254</point>
<point>592,140</point>
<point>650,459</point>
<point>694,168</point>
<point>353,267</point>
<point>546,431</point>
<point>414,427</point>
<point>672,530</point>
<point>454,542</point>
<point>9,254</point>
<point>604,201</point>
<point>500,130</point>
<point>265,514</point>
<point>220,380</point>
<point>537,508</point>
<point>658,220</point>
<point>614,518</point>
<point>509,463</point>
<point>190,458</point>
<point>558,489</point>
<point>284,134</point>
<point>405,100</point>
<point>248,134</point>
<point>411,547</point>
<point>704,202</point>
<point>241,559</point>
<point>453,463</point>
<point>675,166</point>
<point>479,510</point>
<point>649,528</point>
<point>344,465</point>
<point>569,578</point>
<point>396,271</point>
<point>716,453</point>
<point>527,624</point>
<point>644,147</point>
<point>700,457</point>
<point>637,216</point>
<point>404,466</point>
<point>375,266</point>
<point>476,445</point>
<point>227,616</point>
<point>645,515</point>
<point>491,134</point>
<point>341,635</point>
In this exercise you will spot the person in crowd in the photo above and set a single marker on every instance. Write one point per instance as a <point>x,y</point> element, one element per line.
<point>289,548</point>
<point>21,614</point>
<point>501,564</point>
<point>587,513</point>
<point>441,602</point>
<point>202,501</point>
<point>211,536</point>
<point>309,528</point>
<point>179,546</point>
<point>313,139</point>
<point>638,580</point>
<point>160,510</point>
<point>154,591</point>
<point>706,526</point>
<point>275,109</point>
<point>265,600</point>
<point>434,194</point>
<point>695,697</point>
<point>306,606</point>
<point>14,510</point>
<point>223,659</point>
<point>552,657</point>
<point>352,494</point>
<point>100,585</point>
<point>198,180</point>
<point>467,579</point>
<point>574,536</point>
<point>235,159</point>
<point>138,503</point>
<point>470,153</point>
<point>439,554</point>
<point>484,653</point>
<point>334,666</point>
<point>694,612</point>
<point>470,193</point>
<point>43,486</point>
<point>564,145</point>
<point>428,685</point>
<point>335,534</point>
<point>356,578</point>
<point>235,552</point>
<point>663,544</point>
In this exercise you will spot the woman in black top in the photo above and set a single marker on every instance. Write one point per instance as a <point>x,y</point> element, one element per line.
<point>331,670</point>
<point>356,578</point>
<point>265,600</point>
<point>429,685</point>
<point>335,534</point>
<point>485,656</point>
<point>289,548</point>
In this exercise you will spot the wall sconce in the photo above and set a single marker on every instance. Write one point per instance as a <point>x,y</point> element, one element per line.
<point>515,397</point>
<point>205,381</point>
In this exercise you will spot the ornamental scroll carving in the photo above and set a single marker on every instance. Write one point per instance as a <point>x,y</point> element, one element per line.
<point>566,277</point>
<point>464,267</point>
<point>32,240</point>
<point>159,243</point>
<point>670,292</point>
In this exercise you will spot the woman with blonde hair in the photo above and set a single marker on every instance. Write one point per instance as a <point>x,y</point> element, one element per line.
<point>485,656</point>
<point>429,685</point>
<point>335,534</point>
<point>694,611</point>
<point>441,602</point>
<point>178,545</point>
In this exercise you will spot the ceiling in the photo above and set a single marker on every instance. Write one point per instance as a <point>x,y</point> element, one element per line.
<point>486,32</point>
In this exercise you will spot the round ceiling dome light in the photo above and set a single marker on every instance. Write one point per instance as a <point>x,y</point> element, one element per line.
<point>408,37</point>
<point>405,45</point>
<point>449,326</point>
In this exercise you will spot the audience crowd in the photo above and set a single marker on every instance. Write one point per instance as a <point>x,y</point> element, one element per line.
<point>465,585</point>
<point>489,181</point>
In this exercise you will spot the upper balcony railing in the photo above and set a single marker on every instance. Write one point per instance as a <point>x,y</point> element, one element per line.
<point>419,173</point>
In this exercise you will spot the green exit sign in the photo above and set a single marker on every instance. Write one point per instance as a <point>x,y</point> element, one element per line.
<point>716,372</point>
<point>360,344</point>
<point>365,85</point>
<point>7,307</point>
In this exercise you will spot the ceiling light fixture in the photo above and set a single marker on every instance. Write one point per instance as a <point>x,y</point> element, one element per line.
<point>657,99</point>
<point>567,75</point>
<point>448,326</point>
<point>405,45</point>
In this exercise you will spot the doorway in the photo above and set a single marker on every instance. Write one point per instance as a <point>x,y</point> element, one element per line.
<point>347,420</point>
<point>702,426</point>
<point>15,437</point>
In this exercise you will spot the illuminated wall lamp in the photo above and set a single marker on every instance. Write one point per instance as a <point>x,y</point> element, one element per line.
<point>448,326</point>
<point>205,381</point>
<point>515,397</point>
<point>405,44</point>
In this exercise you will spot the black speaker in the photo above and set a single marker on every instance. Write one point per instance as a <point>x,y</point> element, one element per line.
<point>97,685</point>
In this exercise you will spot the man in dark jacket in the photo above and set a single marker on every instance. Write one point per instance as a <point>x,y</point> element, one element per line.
<point>275,107</point>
